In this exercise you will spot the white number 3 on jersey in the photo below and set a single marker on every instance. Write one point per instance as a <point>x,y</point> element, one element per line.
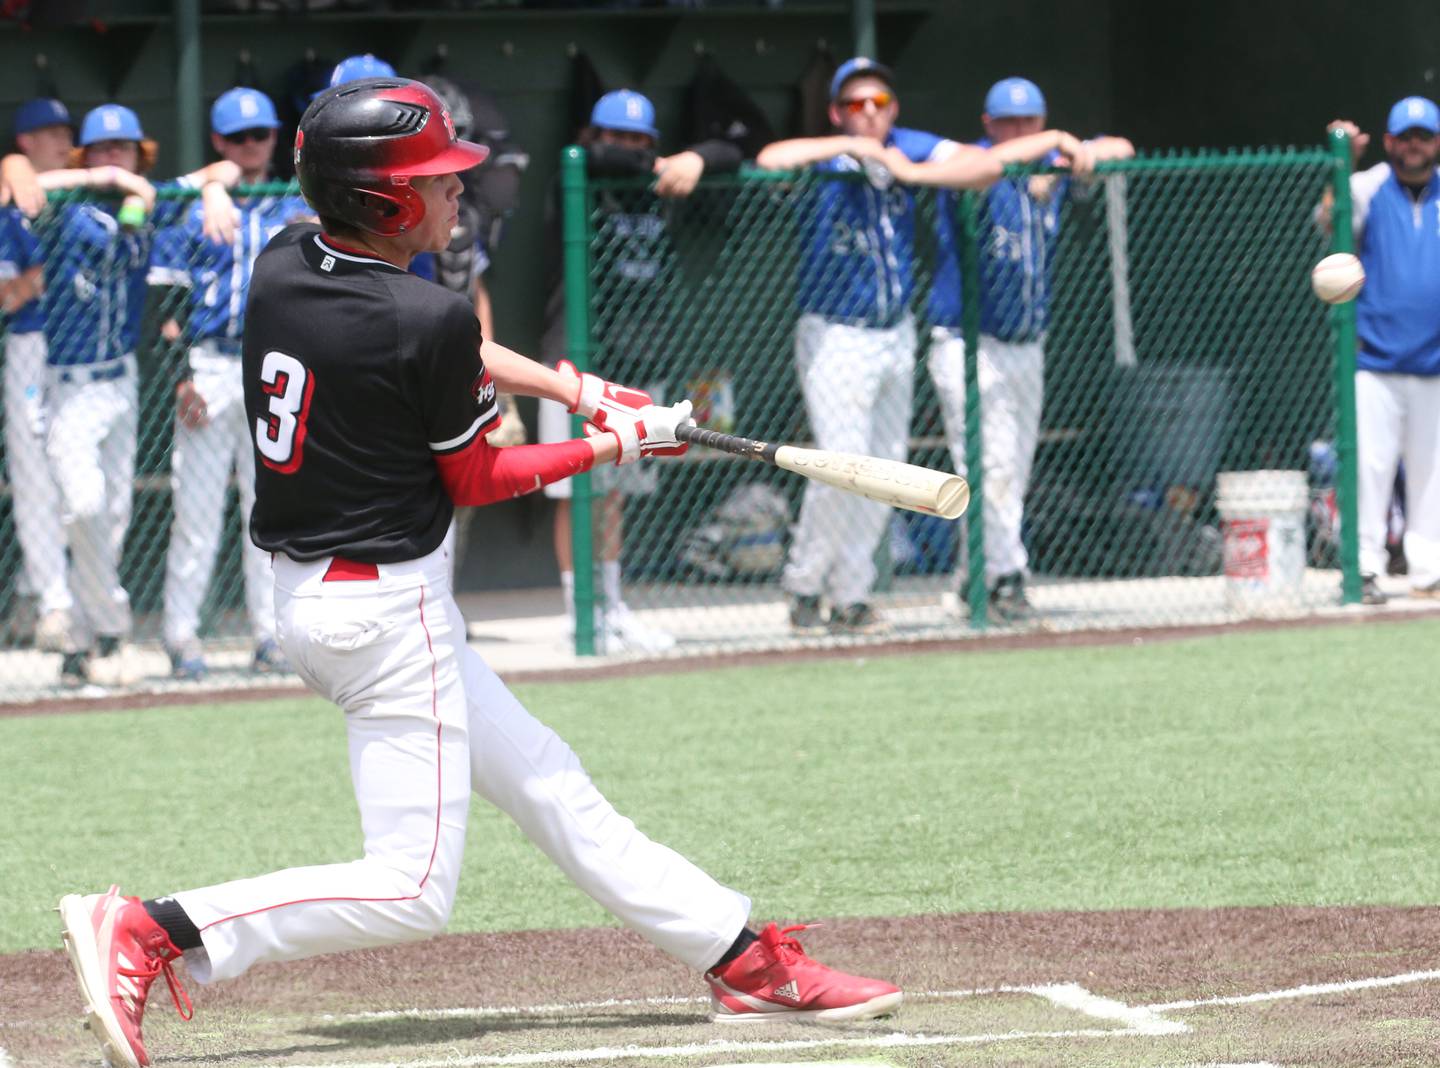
<point>280,435</point>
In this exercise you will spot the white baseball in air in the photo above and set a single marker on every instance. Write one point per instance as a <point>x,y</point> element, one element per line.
<point>1337,278</point>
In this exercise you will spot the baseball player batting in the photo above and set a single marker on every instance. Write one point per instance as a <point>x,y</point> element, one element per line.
<point>212,433</point>
<point>370,401</point>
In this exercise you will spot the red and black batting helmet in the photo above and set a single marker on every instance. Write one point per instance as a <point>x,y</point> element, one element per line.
<point>360,143</point>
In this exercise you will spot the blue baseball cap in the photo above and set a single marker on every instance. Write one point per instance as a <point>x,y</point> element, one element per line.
<point>625,110</point>
<point>242,109</point>
<point>853,68</point>
<point>111,122</point>
<point>39,113</point>
<point>1013,98</point>
<point>353,68</point>
<point>1414,112</point>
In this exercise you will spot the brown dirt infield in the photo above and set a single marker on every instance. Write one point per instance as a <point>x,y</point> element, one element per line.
<point>302,1013</point>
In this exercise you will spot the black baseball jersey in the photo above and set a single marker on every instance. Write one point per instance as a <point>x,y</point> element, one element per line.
<point>357,375</point>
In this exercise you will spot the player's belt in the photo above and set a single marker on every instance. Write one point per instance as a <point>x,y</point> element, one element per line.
<point>93,372</point>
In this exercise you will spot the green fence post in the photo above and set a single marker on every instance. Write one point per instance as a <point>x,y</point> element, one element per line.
<point>189,122</point>
<point>862,26</point>
<point>577,347</point>
<point>976,593</point>
<point>1342,318</point>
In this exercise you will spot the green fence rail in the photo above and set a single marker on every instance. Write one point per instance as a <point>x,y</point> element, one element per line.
<point>1164,305</point>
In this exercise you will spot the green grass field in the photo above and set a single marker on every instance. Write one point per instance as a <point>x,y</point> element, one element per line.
<point>1294,766</point>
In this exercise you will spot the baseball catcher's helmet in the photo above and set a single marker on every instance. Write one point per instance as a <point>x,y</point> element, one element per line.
<point>360,143</point>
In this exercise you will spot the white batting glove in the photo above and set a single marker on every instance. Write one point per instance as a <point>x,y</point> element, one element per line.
<point>647,432</point>
<point>600,401</point>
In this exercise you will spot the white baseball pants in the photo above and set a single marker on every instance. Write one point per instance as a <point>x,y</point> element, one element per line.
<point>1011,376</point>
<point>1398,418</point>
<point>428,722</point>
<point>35,498</point>
<point>91,448</point>
<point>200,467</point>
<point>858,383</point>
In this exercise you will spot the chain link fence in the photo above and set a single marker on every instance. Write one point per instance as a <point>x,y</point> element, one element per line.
<point>1132,372</point>
<point>1106,361</point>
<point>129,467</point>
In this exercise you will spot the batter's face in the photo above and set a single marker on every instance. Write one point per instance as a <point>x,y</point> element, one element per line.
<point>441,193</point>
<point>1007,129</point>
<point>48,148</point>
<point>1413,154</point>
<point>866,107</point>
<point>125,154</point>
<point>250,150</point>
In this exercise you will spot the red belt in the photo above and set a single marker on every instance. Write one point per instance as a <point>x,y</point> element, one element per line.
<point>343,570</point>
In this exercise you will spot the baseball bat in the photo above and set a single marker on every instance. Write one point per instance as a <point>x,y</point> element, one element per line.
<point>888,481</point>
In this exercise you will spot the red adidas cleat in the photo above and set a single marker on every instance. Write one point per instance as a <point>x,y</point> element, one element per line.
<point>117,951</point>
<point>774,980</point>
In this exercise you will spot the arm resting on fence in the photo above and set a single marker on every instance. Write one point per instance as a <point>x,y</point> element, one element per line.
<point>967,167</point>
<point>803,151</point>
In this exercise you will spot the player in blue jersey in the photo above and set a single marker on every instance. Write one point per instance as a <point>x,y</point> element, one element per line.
<point>621,141</point>
<point>212,436</point>
<point>1020,228</point>
<point>96,256</point>
<point>1396,220</point>
<point>43,134</point>
<point>855,341</point>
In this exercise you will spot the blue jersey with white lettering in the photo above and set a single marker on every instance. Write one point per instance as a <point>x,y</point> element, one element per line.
<point>20,251</point>
<point>94,284</point>
<point>1018,235</point>
<point>1398,241</point>
<point>859,255</point>
<point>216,274</point>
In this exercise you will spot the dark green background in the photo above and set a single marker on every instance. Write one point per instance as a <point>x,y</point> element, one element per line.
<point>1225,73</point>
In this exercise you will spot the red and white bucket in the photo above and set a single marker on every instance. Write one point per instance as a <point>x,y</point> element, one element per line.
<point>1262,514</point>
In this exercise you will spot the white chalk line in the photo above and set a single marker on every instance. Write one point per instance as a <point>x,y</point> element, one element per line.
<point>604,1053</point>
<point>5,1061</point>
<point>1138,1019</point>
<point>1309,990</point>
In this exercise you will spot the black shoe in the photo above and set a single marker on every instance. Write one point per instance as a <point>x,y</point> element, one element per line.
<point>107,645</point>
<point>806,616</point>
<point>1008,602</point>
<point>75,669</point>
<point>858,618</point>
<point>1370,591</point>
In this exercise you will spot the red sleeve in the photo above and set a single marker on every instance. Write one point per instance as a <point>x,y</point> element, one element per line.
<point>483,474</point>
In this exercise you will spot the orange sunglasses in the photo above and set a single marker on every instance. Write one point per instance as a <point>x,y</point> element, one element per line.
<point>856,105</point>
